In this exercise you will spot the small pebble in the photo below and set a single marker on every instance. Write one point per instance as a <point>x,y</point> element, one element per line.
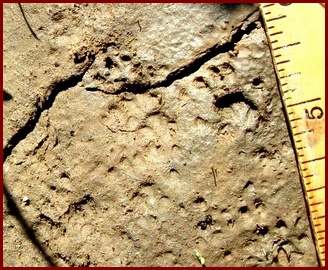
<point>26,200</point>
<point>57,64</point>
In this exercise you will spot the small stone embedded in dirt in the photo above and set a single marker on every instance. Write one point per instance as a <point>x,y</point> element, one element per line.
<point>26,200</point>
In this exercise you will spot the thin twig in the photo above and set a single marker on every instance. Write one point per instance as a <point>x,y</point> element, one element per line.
<point>214,171</point>
<point>139,25</point>
<point>28,25</point>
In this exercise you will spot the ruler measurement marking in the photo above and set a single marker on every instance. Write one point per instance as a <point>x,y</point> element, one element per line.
<point>295,119</point>
<point>310,175</point>
<point>283,62</point>
<point>290,75</point>
<point>303,102</point>
<point>312,160</point>
<point>289,90</point>
<point>276,33</point>
<point>268,5</point>
<point>303,132</point>
<point>319,217</point>
<point>277,18</point>
<point>316,203</point>
<point>315,189</point>
<point>286,46</point>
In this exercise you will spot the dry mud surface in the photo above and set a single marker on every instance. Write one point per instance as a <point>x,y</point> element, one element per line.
<point>141,134</point>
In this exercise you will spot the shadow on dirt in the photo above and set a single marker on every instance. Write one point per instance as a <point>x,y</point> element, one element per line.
<point>6,96</point>
<point>14,210</point>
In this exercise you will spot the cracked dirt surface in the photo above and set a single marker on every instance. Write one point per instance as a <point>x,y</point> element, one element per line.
<point>139,134</point>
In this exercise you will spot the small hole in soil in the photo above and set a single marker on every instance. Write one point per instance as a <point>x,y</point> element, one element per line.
<point>199,200</point>
<point>301,236</point>
<point>110,169</point>
<point>53,188</point>
<point>257,81</point>
<point>227,66</point>
<point>146,184</point>
<point>199,79</point>
<point>249,182</point>
<point>297,220</point>
<point>226,252</point>
<point>64,175</point>
<point>214,69</point>
<point>230,222</point>
<point>173,171</point>
<point>135,194</point>
<point>243,209</point>
<point>125,58</point>
<point>262,230</point>
<point>204,223</point>
<point>281,223</point>
<point>108,62</point>
<point>120,80</point>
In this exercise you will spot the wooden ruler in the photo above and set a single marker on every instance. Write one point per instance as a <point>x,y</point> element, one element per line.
<point>296,34</point>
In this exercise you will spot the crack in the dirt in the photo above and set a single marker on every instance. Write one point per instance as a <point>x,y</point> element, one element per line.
<point>135,88</point>
<point>185,71</point>
<point>208,55</point>
<point>56,88</point>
